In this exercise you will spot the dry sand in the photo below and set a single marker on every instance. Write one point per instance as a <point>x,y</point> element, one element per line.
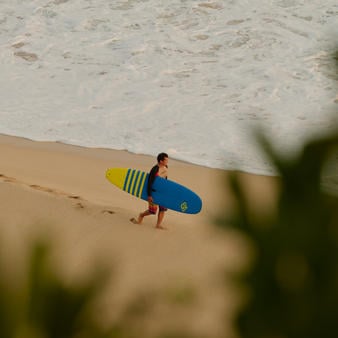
<point>61,191</point>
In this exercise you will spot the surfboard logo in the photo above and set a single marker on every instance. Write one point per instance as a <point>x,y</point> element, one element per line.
<point>184,206</point>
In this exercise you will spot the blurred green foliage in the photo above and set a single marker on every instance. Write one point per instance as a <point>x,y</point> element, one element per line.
<point>293,278</point>
<point>42,305</point>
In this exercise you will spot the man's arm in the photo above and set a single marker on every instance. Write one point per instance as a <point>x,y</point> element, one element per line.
<point>151,179</point>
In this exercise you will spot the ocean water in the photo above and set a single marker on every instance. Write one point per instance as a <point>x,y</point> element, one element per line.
<point>192,78</point>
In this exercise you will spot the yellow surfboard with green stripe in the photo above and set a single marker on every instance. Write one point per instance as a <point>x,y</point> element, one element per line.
<point>130,180</point>
<point>164,192</point>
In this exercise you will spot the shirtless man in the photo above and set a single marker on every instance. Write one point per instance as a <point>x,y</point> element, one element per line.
<point>160,169</point>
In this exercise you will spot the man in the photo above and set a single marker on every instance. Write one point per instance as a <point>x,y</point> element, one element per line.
<point>160,169</point>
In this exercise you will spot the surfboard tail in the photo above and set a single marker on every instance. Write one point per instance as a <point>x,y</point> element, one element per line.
<point>131,181</point>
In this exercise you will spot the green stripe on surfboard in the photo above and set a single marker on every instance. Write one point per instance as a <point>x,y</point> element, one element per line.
<point>129,180</point>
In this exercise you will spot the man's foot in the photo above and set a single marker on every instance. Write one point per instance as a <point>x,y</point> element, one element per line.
<point>134,220</point>
<point>160,227</point>
<point>138,220</point>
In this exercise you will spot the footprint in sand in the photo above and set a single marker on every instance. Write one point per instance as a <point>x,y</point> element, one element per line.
<point>48,190</point>
<point>108,212</point>
<point>7,178</point>
<point>75,197</point>
<point>38,187</point>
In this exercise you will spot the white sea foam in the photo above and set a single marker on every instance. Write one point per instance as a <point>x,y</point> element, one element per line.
<point>189,77</point>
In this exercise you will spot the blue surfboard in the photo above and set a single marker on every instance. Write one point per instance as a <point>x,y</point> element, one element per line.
<point>167,193</point>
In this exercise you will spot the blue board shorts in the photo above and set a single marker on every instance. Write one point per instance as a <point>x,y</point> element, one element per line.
<point>152,208</point>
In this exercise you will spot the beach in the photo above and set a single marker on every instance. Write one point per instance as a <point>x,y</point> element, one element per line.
<point>90,85</point>
<point>60,192</point>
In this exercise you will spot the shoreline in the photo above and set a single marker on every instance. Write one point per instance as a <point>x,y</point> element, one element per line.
<point>250,172</point>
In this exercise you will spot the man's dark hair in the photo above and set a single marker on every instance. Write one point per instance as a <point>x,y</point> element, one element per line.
<point>161,157</point>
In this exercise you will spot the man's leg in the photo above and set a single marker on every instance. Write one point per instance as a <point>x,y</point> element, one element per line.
<point>160,219</point>
<point>140,217</point>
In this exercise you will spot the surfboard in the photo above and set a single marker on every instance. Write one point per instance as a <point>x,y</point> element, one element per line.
<point>166,193</point>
